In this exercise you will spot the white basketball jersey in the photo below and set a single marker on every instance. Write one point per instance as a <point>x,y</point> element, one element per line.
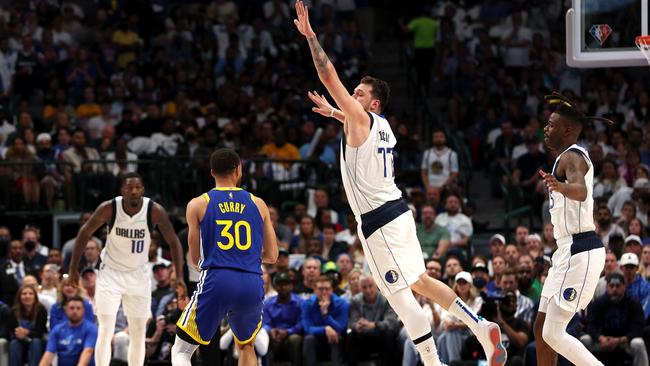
<point>368,171</point>
<point>568,216</point>
<point>128,238</point>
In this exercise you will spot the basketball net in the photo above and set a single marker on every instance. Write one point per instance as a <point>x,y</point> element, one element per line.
<point>643,42</point>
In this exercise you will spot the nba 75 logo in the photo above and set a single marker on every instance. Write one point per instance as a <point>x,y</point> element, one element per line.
<point>391,276</point>
<point>600,32</point>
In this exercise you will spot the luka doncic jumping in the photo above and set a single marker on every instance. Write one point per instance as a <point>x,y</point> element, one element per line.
<point>230,236</point>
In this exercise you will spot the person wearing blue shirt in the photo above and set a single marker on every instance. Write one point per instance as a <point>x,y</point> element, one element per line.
<point>67,291</point>
<point>636,286</point>
<point>282,320</point>
<point>321,152</point>
<point>324,319</point>
<point>73,341</point>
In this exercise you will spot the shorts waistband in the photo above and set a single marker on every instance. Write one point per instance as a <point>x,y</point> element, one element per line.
<point>583,242</point>
<point>373,220</point>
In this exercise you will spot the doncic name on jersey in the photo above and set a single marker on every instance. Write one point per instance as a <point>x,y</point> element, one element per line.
<point>130,233</point>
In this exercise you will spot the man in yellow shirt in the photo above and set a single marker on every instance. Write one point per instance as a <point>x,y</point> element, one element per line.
<point>88,108</point>
<point>424,29</point>
<point>280,148</point>
<point>127,43</point>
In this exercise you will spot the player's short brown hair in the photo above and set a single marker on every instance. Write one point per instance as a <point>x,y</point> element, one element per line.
<point>224,161</point>
<point>380,90</point>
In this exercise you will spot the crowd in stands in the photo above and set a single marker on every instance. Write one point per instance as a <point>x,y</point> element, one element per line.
<point>92,90</point>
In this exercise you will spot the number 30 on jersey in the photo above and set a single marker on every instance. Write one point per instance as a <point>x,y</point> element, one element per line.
<point>234,237</point>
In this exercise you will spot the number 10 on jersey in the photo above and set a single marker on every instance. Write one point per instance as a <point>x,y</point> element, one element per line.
<point>387,151</point>
<point>137,246</point>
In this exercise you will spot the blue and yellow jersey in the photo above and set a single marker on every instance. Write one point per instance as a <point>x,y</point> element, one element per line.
<point>232,231</point>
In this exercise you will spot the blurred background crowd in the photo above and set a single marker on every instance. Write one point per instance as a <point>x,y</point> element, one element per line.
<point>92,90</point>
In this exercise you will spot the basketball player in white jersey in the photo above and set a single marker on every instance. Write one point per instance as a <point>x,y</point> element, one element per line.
<point>123,275</point>
<point>386,225</point>
<point>580,255</point>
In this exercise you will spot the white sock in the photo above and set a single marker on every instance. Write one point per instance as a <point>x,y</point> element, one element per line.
<point>460,310</point>
<point>428,352</point>
<point>137,335</point>
<point>182,352</point>
<point>104,338</point>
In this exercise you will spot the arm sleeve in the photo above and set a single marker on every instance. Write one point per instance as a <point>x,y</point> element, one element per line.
<point>52,340</point>
<point>338,318</point>
<point>91,336</point>
<point>308,323</point>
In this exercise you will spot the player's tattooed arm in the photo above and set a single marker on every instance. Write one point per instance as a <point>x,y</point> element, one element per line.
<point>575,167</point>
<point>320,57</point>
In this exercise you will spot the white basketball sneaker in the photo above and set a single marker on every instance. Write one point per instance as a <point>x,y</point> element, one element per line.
<point>490,338</point>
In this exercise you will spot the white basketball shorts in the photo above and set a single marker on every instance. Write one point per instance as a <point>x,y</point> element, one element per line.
<point>133,288</point>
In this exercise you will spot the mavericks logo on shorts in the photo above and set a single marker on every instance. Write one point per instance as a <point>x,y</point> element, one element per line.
<point>391,276</point>
<point>569,294</point>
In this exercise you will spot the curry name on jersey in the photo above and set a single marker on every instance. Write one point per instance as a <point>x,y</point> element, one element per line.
<point>129,237</point>
<point>232,231</point>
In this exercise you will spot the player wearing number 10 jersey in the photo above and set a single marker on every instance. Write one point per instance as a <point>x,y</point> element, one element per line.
<point>124,275</point>
<point>230,236</point>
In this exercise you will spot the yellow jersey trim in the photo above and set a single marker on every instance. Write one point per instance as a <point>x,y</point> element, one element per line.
<point>252,337</point>
<point>207,197</point>
<point>226,189</point>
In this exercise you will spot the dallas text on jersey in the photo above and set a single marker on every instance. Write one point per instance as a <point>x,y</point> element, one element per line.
<point>130,233</point>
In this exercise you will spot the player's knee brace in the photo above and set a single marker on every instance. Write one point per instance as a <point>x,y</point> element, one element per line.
<point>410,313</point>
<point>182,352</point>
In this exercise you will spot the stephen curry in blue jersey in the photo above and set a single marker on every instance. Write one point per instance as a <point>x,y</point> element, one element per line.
<point>230,236</point>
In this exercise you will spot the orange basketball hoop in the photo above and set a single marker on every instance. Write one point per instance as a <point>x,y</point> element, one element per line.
<point>643,42</point>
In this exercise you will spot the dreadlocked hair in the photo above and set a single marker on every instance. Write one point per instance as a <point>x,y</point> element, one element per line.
<point>568,109</point>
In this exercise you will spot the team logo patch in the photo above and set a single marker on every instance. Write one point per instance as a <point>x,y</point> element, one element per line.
<point>570,294</point>
<point>391,276</point>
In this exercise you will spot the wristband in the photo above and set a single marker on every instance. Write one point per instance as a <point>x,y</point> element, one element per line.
<point>332,112</point>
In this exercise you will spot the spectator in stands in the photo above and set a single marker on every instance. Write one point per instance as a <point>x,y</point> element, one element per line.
<point>310,272</point>
<point>349,235</point>
<point>28,324</point>
<point>528,283</point>
<point>163,286</point>
<point>90,257</point>
<point>161,333</point>
<point>454,334</point>
<point>434,239</point>
<point>525,306</point>
<point>533,245</point>
<point>606,228</point>
<point>439,164</point>
<point>633,245</point>
<point>354,285</point>
<point>324,320</point>
<point>608,181</point>
<point>13,271</point>
<point>308,231</point>
<point>458,225</point>
<point>512,255</point>
<point>68,290</point>
<point>78,153</point>
<point>332,248</point>
<point>645,262</point>
<point>526,174</point>
<point>73,342</point>
<point>88,281</point>
<point>49,281</point>
<point>628,212</point>
<point>481,278</point>
<point>68,246</point>
<point>615,322</point>
<point>521,233</point>
<point>282,232</point>
<point>23,176</point>
<point>121,153</point>
<point>636,286</point>
<point>611,266</point>
<point>434,268</point>
<point>497,248</point>
<point>373,324</point>
<point>624,194</point>
<point>282,321</point>
<point>5,331</point>
<point>548,240</point>
<point>321,202</point>
<point>5,239</point>
<point>513,328</point>
<point>424,29</point>
<point>453,266</point>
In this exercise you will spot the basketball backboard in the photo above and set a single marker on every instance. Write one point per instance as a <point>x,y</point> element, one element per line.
<point>601,33</point>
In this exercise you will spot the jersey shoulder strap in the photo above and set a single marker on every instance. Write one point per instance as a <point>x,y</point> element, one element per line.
<point>111,223</point>
<point>150,223</point>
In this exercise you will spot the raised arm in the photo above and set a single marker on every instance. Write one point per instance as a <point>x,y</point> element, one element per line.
<point>355,115</point>
<point>161,219</point>
<point>101,216</point>
<point>270,249</point>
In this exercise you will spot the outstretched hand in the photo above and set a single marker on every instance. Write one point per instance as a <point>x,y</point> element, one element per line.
<point>323,107</point>
<point>551,182</point>
<point>302,23</point>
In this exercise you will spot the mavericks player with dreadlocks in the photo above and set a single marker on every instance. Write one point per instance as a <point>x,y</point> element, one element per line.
<point>580,255</point>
